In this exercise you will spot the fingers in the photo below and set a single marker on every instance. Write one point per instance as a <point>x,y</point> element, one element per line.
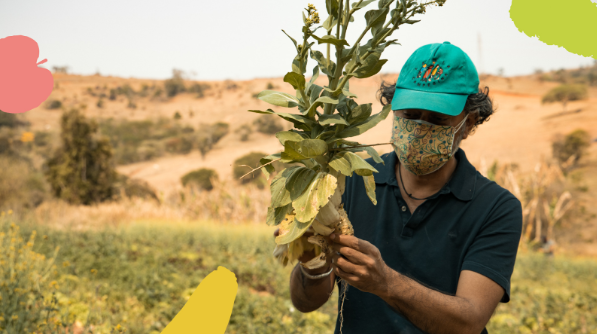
<point>345,269</point>
<point>360,245</point>
<point>350,254</point>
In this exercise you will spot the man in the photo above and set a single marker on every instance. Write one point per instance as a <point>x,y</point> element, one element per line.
<point>436,254</point>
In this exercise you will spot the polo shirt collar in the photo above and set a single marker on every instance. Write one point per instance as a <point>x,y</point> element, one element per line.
<point>462,184</point>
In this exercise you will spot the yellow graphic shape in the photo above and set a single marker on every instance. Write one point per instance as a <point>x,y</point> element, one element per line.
<point>571,24</point>
<point>210,306</point>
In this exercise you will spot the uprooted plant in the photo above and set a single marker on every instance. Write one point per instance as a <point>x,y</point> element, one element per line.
<point>307,195</point>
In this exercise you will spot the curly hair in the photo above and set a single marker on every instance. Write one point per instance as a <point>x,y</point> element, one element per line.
<point>478,103</point>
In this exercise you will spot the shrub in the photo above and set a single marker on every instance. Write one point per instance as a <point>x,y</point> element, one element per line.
<point>100,103</point>
<point>81,170</point>
<point>574,144</point>
<point>199,89</point>
<point>219,130</point>
<point>180,144</point>
<point>244,131</point>
<point>149,149</point>
<point>174,85</point>
<point>53,104</point>
<point>566,93</point>
<point>112,96</point>
<point>11,120</point>
<point>131,104</point>
<point>270,86</point>
<point>239,168</point>
<point>42,138</point>
<point>208,135</point>
<point>27,284</point>
<point>134,188</point>
<point>201,178</point>
<point>268,124</point>
<point>21,186</point>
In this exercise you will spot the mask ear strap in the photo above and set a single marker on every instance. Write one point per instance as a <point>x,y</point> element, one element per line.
<point>461,124</point>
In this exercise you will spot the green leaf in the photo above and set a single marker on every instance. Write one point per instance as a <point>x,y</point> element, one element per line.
<point>348,162</point>
<point>307,148</point>
<point>284,136</point>
<point>326,99</point>
<point>323,63</point>
<point>376,18</point>
<point>296,80</point>
<point>299,121</point>
<point>348,94</point>
<point>332,119</point>
<point>329,23</point>
<point>278,98</point>
<point>313,78</point>
<point>372,153</point>
<point>281,196</point>
<point>275,216</point>
<point>292,39</point>
<point>383,3</point>
<point>370,66</point>
<point>296,230</point>
<point>360,113</point>
<point>357,129</point>
<point>269,168</point>
<point>314,93</point>
<point>370,188</point>
<point>299,181</point>
<point>411,21</point>
<point>363,4</point>
<point>329,39</point>
<point>314,197</point>
<point>332,7</point>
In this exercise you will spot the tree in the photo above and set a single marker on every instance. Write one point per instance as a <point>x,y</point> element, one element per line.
<point>174,85</point>
<point>81,170</point>
<point>566,93</point>
<point>574,144</point>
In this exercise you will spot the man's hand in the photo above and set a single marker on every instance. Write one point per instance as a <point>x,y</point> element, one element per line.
<point>360,265</point>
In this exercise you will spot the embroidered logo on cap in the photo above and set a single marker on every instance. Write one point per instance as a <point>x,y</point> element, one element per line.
<point>429,74</point>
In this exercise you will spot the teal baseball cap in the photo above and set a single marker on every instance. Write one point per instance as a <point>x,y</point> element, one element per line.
<point>437,77</point>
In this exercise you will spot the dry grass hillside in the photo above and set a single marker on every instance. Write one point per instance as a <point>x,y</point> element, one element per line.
<point>520,132</point>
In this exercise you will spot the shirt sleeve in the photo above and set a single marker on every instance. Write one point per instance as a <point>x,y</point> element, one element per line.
<point>493,252</point>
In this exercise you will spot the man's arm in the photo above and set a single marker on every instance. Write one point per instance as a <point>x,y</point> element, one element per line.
<point>434,312</point>
<point>467,312</point>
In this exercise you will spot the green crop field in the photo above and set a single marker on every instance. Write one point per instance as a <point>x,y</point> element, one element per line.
<point>136,278</point>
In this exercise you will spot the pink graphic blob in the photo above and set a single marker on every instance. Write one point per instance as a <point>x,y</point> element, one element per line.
<point>23,85</point>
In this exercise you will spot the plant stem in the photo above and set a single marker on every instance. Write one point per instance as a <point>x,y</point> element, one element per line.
<point>271,162</point>
<point>347,147</point>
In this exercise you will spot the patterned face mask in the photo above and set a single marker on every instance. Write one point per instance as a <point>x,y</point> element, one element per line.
<point>423,147</point>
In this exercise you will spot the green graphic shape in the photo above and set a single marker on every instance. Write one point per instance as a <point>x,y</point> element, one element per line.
<point>571,24</point>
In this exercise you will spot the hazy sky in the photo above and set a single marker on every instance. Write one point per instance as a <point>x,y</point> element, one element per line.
<point>236,39</point>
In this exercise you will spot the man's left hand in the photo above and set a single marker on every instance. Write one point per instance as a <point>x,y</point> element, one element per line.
<point>361,264</point>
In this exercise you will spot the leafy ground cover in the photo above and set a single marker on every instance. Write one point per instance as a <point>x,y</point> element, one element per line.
<point>140,275</point>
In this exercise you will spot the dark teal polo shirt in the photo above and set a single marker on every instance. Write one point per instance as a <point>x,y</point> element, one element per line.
<point>471,224</point>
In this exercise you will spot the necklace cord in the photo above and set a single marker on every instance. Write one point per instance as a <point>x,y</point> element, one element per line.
<point>410,195</point>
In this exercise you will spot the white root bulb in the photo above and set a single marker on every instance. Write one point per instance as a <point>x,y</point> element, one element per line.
<point>331,218</point>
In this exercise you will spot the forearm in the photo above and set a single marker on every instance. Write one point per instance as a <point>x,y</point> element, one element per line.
<point>430,310</point>
<point>307,294</point>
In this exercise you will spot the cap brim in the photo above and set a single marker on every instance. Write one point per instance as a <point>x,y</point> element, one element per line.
<point>449,104</point>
